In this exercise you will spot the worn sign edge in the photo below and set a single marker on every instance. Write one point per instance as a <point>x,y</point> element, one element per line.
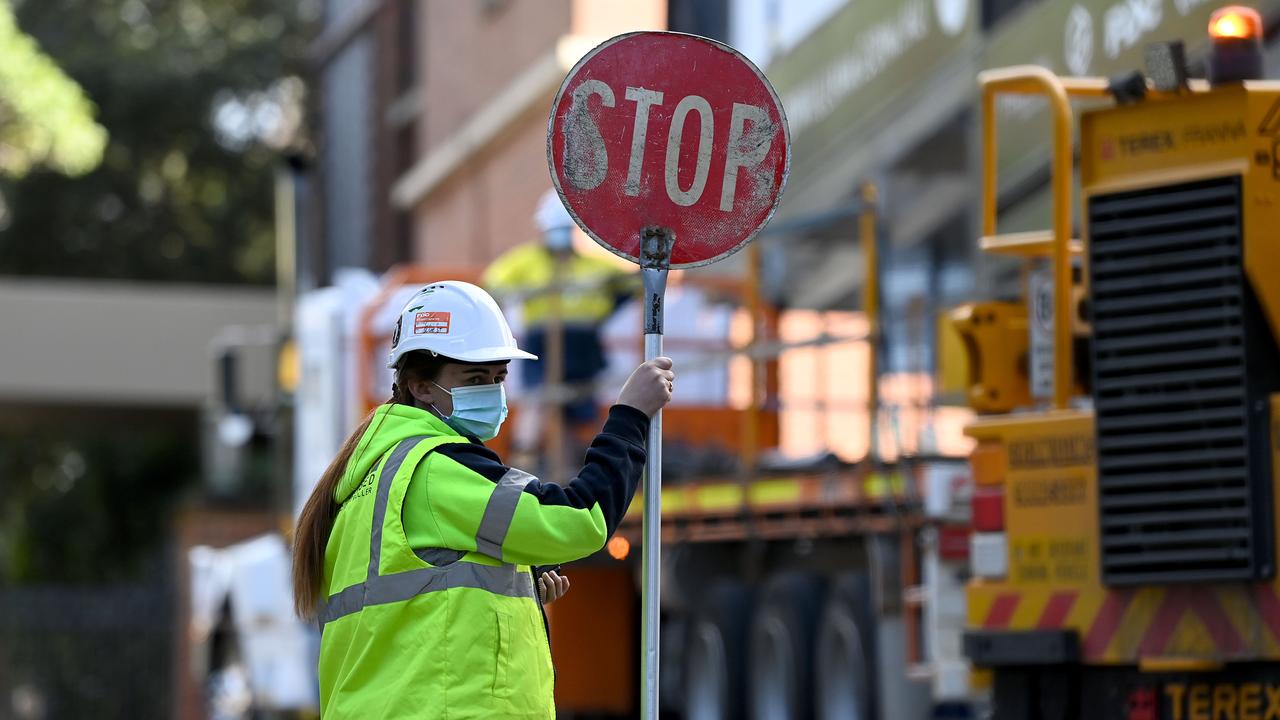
<point>782,116</point>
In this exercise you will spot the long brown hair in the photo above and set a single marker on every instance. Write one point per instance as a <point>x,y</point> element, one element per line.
<point>316,520</point>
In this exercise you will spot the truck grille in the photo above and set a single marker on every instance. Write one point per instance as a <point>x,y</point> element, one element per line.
<point>1179,494</point>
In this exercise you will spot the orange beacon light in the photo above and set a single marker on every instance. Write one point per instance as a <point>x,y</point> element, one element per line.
<point>1235,21</point>
<point>1235,52</point>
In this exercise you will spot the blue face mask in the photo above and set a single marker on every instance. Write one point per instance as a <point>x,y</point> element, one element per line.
<point>558,239</point>
<point>478,410</point>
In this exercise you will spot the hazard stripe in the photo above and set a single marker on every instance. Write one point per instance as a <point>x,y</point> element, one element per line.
<point>1106,623</point>
<point>1231,623</point>
<point>1269,608</point>
<point>1177,601</point>
<point>1001,611</point>
<point>1225,637</point>
<point>1056,610</point>
<point>1175,604</point>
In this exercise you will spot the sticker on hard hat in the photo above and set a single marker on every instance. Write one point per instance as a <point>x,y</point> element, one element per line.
<point>431,323</point>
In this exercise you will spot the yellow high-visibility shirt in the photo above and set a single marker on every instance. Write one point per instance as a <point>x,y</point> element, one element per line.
<point>591,284</point>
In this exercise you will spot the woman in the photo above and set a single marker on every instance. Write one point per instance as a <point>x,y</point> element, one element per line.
<point>414,551</point>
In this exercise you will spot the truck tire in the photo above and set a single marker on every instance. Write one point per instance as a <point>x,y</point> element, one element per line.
<point>844,659</point>
<point>782,642</point>
<point>671,661</point>
<point>1045,692</point>
<point>715,667</point>
<point>1013,695</point>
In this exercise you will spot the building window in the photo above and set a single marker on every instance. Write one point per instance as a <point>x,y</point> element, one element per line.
<point>708,18</point>
<point>491,8</point>
<point>993,11</point>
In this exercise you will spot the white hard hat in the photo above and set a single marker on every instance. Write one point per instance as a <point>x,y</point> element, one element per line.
<point>551,213</point>
<point>457,320</point>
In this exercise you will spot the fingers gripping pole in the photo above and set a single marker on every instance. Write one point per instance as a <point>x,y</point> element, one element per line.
<point>655,262</point>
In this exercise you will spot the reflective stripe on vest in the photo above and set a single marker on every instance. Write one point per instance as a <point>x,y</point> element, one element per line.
<point>499,512</point>
<point>378,589</point>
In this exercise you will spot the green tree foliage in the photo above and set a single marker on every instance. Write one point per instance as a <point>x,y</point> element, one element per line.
<point>198,97</point>
<point>93,497</point>
<point>45,118</point>
<point>87,603</point>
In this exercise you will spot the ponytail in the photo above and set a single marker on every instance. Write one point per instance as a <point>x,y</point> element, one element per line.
<point>314,524</point>
<point>316,520</point>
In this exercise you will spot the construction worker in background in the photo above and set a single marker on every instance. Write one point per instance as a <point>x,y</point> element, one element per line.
<point>415,550</point>
<point>565,290</point>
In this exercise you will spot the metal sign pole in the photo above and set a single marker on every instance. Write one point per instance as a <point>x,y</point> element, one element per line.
<point>617,209</point>
<point>655,263</point>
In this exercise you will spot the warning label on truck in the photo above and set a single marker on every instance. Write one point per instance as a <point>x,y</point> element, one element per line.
<point>1048,492</point>
<point>1062,560</point>
<point>1053,451</point>
<point>1041,333</point>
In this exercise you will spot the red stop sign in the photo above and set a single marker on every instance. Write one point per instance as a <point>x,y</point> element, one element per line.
<point>656,129</point>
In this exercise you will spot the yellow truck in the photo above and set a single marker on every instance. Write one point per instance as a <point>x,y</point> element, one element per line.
<point>1124,546</point>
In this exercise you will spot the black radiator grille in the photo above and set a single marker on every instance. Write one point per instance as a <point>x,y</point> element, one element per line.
<point>1169,361</point>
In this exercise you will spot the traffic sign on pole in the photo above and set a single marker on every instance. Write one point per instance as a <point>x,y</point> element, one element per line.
<point>656,129</point>
<point>670,150</point>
